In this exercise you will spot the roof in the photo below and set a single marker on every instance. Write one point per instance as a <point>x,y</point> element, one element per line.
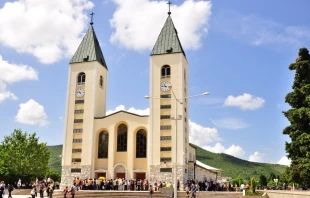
<point>121,112</point>
<point>168,41</point>
<point>89,49</point>
<point>199,163</point>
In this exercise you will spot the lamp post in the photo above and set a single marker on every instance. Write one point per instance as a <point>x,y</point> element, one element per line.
<point>176,118</point>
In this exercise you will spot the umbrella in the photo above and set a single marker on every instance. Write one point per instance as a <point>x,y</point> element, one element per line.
<point>101,178</point>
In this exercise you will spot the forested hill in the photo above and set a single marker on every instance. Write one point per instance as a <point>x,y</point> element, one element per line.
<point>232,166</point>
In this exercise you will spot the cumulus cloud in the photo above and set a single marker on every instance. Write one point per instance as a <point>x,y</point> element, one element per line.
<point>245,101</point>
<point>31,113</point>
<point>230,123</point>
<point>137,27</point>
<point>11,73</point>
<point>285,161</point>
<point>233,150</point>
<point>202,136</point>
<point>256,157</point>
<point>131,110</point>
<point>44,28</point>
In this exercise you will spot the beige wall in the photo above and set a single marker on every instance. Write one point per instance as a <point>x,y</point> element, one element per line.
<point>178,65</point>
<point>128,159</point>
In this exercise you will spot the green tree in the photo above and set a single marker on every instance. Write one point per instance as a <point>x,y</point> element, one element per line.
<point>54,175</point>
<point>238,180</point>
<point>271,176</point>
<point>22,156</point>
<point>253,185</point>
<point>262,180</point>
<point>298,148</point>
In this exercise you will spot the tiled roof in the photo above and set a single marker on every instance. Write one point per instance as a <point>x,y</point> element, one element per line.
<point>168,41</point>
<point>89,49</point>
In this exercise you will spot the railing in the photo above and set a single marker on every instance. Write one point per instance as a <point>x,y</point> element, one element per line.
<point>167,191</point>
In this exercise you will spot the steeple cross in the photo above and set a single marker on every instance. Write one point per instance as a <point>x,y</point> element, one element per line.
<point>92,15</point>
<point>169,3</point>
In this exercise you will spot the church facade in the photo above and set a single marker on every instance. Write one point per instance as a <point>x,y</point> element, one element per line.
<point>123,144</point>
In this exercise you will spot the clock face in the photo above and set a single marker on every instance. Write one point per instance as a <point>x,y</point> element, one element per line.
<point>165,86</point>
<point>79,92</point>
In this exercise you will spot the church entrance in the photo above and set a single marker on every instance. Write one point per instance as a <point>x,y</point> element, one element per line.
<point>101,175</point>
<point>120,171</point>
<point>140,176</point>
<point>120,175</point>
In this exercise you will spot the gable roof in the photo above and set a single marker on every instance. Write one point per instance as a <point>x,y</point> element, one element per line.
<point>89,49</point>
<point>210,168</point>
<point>168,41</point>
<point>122,111</point>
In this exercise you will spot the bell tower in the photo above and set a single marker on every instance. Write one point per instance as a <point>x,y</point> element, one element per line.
<point>86,99</point>
<point>168,106</point>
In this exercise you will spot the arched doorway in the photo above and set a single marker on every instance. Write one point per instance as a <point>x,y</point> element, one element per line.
<point>120,171</point>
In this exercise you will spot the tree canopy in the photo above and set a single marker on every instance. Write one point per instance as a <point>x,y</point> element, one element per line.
<point>22,156</point>
<point>299,117</point>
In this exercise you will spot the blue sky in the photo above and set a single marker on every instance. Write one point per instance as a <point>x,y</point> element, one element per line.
<point>239,51</point>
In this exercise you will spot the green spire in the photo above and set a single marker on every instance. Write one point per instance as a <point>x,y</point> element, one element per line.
<point>168,41</point>
<point>89,49</point>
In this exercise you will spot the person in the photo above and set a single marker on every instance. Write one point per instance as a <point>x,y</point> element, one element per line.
<point>65,191</point>
<point>41,186</point>
<point>193,191</point>
<point>187,191</point>
<point>33,193</point>
<point>1,189</point>
<point>151,191</point>
<point>10,189</point>
<point>72,191</point>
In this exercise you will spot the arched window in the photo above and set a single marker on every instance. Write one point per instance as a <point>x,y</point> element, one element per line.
<point>141,144</point>
<point>122,138</point>
<point>165,71</point>
<point>103,144</point>
<point>81,78</point>
<point>101,82</point>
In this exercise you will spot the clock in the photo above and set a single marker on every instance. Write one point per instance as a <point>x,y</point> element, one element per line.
<point>80,92</point>
<point>165,86</point>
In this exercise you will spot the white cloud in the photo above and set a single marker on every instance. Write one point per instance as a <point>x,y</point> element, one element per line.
<point>260,31</point>
<point>230,123</point>
<point>245,101</point>
<point>202,136</point>
<point>31,113</point>
<point>44,28</point>
<point>132,22</point>
<point>5,94</point>
<point>233,150</point>
<point>256,157</point>
<point>131,110</point>
<point>285,161</point>
<point>11,73</point>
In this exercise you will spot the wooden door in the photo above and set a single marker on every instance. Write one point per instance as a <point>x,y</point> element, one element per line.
<point>120,175</point>
<point>140,176</point>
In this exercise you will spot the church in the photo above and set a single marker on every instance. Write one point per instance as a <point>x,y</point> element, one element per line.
<point>127,145</point>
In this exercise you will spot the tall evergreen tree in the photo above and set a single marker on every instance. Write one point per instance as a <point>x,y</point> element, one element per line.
<point>299,117</point>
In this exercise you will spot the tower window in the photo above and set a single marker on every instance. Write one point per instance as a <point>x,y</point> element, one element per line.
<point>79,111</point>
<point>165,148</point>
<point>77,140</point>
<point>165,71</point>
<point>78,120</point>
<point>165,137</point>
<point>165,127</point>
<point>165,159</point>
<point>165,117</point>
<point>165,96</point>
<point>77,130</point>
<point>101,82</point>
<point>76,150</point>
<point>141,141</point>
<point>81,78</point>
<point>103,144</point>
<point>76,159</point>
<point>122,138</point>
<point>79,101</point>
<point>165,106</point>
